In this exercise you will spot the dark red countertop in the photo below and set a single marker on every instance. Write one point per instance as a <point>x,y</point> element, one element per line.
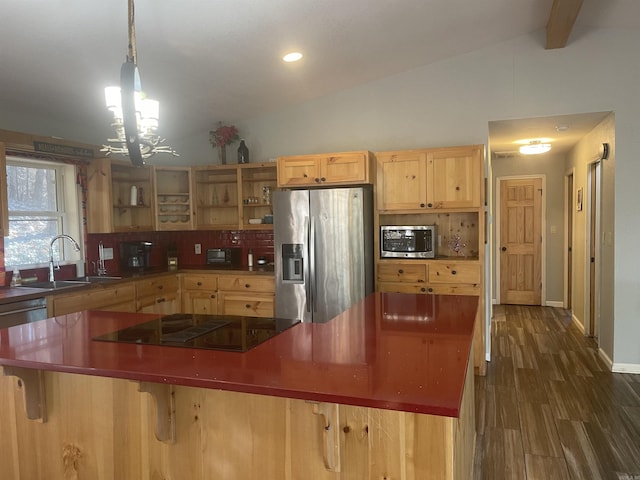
<point>391,351</point>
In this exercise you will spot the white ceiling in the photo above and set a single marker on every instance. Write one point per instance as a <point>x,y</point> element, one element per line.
<point>210,61</point>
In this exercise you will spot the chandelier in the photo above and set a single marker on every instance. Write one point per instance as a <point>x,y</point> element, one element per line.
<point>135,116</point>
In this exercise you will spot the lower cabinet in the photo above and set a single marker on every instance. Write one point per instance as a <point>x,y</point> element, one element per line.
<point>441,277</point>
<point>200,293</point>
<point>249,295</point>
<point>158,295</point>
<point>117,298</point>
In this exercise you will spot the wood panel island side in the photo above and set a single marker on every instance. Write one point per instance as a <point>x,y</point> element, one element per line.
<point>383,391</point>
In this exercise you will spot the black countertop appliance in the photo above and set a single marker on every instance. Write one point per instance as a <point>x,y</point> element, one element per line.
<point>135,256</point>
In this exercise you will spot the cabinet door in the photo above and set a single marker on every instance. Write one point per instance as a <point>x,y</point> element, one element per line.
<point>298,171</point>
<point>97,297</point>
<point>402,180</point>
<point>201,302</point>
<point>165,304</point>
<point>455,177</point>
<point>345,168</point>
<point>215,197</point>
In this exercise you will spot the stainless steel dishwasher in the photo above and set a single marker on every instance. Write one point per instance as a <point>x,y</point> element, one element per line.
<point>23,311</point>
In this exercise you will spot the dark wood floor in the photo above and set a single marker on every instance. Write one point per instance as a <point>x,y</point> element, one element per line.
<point>549,408</point>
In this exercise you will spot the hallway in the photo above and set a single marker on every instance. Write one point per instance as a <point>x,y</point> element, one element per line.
<point>549,408</point>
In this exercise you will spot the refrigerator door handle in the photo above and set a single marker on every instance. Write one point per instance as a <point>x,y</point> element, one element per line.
<point>312,264</point>
<point>308,272</point>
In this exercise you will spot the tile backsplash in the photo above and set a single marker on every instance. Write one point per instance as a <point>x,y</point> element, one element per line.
<point>259,241</point>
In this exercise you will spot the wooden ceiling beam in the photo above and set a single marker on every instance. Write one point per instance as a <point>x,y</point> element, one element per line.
<point>561,20</point>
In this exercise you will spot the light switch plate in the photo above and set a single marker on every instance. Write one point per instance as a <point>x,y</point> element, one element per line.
<point>108,254</point>
<point>198,248</point>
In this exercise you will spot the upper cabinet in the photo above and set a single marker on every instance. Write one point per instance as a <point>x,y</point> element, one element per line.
<point>4,204</point>
<point>325,169</point>
<point>173,198</point>
<point>440,178</point>
<point>113,204</point>
<point>233,196</point>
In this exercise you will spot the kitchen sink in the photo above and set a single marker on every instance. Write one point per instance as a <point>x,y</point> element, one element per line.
<point>96,278</point>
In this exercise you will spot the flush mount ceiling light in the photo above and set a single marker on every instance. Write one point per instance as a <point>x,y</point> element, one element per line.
<point>135,116</point>
<point>292,57</point>
<point>535,147</point>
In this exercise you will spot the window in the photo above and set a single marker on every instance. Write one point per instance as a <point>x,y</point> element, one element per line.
<point>43,203</point>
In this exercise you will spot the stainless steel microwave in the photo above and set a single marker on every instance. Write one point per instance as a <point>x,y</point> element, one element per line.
<point>416,241</point>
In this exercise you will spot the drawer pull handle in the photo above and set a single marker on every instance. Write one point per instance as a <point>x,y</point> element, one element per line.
<point>453,272</point>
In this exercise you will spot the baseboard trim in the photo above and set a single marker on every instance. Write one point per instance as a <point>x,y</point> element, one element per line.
<point>577,323</point>
<point>626,368</point>
<point>605,358</point>
<point>554,303</point>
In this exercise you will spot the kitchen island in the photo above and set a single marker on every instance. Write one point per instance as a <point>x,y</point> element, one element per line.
<point>384,390</point>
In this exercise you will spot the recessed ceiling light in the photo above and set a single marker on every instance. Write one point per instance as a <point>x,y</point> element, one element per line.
<point>563,127</point>
<point>292,57</point>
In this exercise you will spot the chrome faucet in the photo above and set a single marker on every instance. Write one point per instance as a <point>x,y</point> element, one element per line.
<point>76,247</point>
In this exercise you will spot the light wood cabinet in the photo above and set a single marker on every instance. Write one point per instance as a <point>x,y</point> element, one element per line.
<point>158,295</point>
<point>228,197</point>
<point>173,198</point>
<point>325,169</point>
<point>109,204</point>
<point>120,298</point>
<point>443,187</point>
<point>250,295</point>
<point>442,178</point>
<point>199,293</point>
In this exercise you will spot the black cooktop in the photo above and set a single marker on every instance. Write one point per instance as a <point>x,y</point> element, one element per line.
<point>214,332</point>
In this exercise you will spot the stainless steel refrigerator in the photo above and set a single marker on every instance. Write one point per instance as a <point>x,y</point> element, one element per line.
<point>323,251</point>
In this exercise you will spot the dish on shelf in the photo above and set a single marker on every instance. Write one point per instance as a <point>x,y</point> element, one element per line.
<point>255,221</point>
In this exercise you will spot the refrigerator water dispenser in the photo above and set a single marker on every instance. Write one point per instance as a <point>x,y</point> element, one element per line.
<point>292,263</point>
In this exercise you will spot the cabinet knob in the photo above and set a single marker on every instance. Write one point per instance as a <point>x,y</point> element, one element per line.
<point>160,300</point>
<point>247,306</point>
<point>213,295</point>
<point>199,284</point>
<point>323,179</point>
<point>400,271</point>
<point>246,285</point>
<point>430,205</point>
<point>423,290</point>
<point>422,205</point>
<point>317,180</point>
<point>430,290</point>
<point>504,249</point>
<point>453,272</point>
<point>160,287</point>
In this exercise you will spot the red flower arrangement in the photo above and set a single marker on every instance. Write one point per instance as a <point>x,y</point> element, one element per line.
<point>223,135</point>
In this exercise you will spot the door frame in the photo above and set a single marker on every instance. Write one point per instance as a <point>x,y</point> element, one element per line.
<point>543,233</point>
<point>594,166</point>
<point>569,229</point>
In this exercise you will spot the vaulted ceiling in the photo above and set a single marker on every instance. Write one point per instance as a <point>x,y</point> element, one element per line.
<point>210,61</point>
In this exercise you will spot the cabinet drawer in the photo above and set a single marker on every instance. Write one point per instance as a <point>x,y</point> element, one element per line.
<point>395,287</point>
<point>454,289</point>
<point>199,282</point>
<point>454,273</point>
<point>165,285</point>
<point>246,283</point>
<point>258,305</point>
<point>400,272</point>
